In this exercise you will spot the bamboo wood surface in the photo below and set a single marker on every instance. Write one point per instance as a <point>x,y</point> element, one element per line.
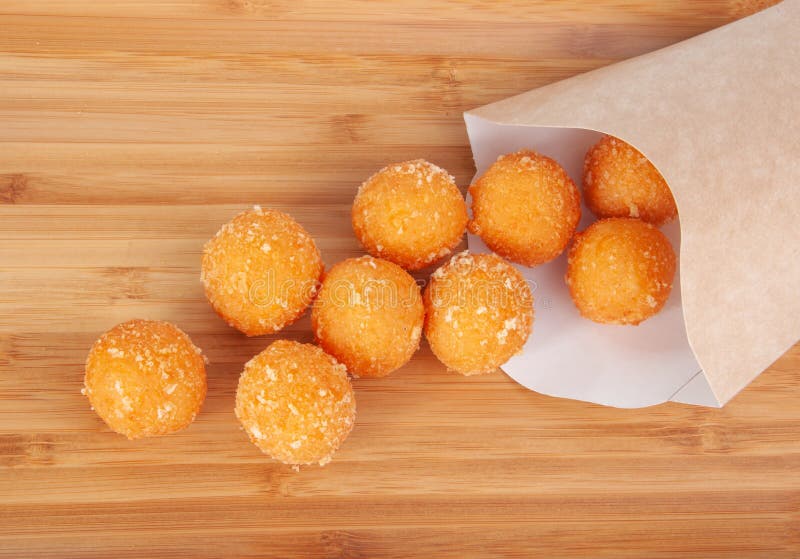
<point>130,131</point>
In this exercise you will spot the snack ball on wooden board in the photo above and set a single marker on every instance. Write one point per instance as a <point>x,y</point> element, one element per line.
<point>369,316</point>
<point>479,313</point>
<point>620,271</point>
<point>618,181</point>
<point>296,403</point>
<point>145,378</point>
<point>525,208</point>
<point>409,213</point>
<point>260,271</point>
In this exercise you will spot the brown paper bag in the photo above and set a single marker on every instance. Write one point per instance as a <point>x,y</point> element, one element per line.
<point>719,115</point>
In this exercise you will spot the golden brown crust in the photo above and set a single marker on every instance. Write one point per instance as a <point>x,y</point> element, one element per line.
<point>409,213</point>
<point>369,316</point>
<point>620,271</point>
<point>295,403</point>
<point>618,181</point>
<point>525,208</point>
<point>261,271</point>
<point>145,378</point>
<point>479,313</point>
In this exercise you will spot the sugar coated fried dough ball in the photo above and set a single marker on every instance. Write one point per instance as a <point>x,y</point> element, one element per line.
<point>618,181</point>
<point>296,403</point>
<point>479,313</point>
<point>261,271</point>
<point>409,213</point>
<point>369,316</point>
<point>145,378</point>
<point>620,271</point>
<point>525,208</point>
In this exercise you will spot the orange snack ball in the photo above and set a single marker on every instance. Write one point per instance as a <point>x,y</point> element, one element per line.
<point>525,208</point>
<point>145,378</point>
<point>409,213</point>
<point>618,181</point>
<point>620,271</point>
<point>369,316</point>
<point>261,271</point>
<point>295,403</point>
<point>479,313</point>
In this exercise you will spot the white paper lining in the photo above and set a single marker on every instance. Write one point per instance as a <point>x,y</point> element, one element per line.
<point>569,356</point>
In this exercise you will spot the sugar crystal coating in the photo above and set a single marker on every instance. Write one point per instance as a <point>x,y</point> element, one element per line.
<point>295,403</point>
<point>261,271</point>
<point>369,316</point>
<point>145,378</point>
<point>479,312</point>
<point>620,271</point>
<point>409,213</point>
<point>618,181</point>
<point>525,208</point>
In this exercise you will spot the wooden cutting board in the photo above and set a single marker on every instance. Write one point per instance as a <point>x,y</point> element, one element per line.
<point>130,131</point>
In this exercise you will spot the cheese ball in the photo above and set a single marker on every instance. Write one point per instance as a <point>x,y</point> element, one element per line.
<point>295,403</point>
<point>145,378</point>
<point>369,316</point>
<point>479,313</point>
<point>409,213</point>
<point>618,181</point>
<point>261,271</point>
<point>525,208</point>
<point>620,271</point>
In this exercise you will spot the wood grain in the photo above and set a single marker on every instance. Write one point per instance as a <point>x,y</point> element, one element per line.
<point>129,131</point>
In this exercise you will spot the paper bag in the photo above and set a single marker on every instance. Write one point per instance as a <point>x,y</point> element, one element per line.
<point>719,116</point>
